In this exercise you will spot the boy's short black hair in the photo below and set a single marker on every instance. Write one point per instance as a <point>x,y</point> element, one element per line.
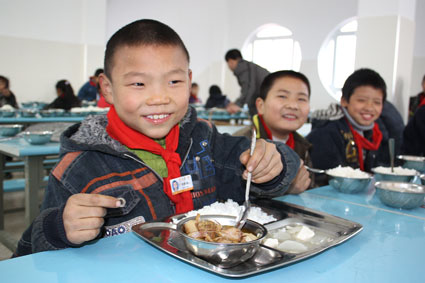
<point>234,54</point>
<point>98,72</point>
<point>270,79</point>
<point>363,77</point>
<point>141,32</point>
<point>5,80</point>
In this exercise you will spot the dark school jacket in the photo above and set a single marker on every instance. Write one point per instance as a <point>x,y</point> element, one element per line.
<point>333,145</point>
<point>92,162</point>
<point>414,134</point>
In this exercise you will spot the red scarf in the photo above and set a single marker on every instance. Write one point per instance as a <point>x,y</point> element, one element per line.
<point>290,142</point>
<point>363,142</point>
<point>136,140</point>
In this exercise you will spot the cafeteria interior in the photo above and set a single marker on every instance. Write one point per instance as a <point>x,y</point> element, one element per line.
<point>362,239</point>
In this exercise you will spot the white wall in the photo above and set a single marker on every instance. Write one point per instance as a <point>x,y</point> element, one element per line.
<point>202,25</point>
<point>210,28</point>
<point>418,70</point>
<point>310,22</point>
<point>45,41</point>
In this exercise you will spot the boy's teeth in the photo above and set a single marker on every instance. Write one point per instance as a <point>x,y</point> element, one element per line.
<point>156,116</point>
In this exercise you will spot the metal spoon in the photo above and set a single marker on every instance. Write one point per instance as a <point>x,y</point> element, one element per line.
<point>391,148</point>
<point>315,170</point>
<point>247,205</point>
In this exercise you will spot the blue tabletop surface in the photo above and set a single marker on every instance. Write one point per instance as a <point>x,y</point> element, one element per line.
<point>19,120</point>
<point>19,147</point>
<point>390,248</point>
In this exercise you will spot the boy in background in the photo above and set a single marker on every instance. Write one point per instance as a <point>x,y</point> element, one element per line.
<point>357,139</point>
<point>283,106</point>
<point>194,91</point>
<point>149,139</point>
<point>7,97</point>
<point>88,91</point>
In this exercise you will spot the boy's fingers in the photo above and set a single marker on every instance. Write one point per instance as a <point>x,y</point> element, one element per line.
<point>89,211</point>
<point>258,154</point>
<point>273,168</point>
<point>81,236</point>
<point>96,200</point>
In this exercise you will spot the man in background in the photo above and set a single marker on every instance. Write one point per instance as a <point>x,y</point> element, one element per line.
<point>250,76</point>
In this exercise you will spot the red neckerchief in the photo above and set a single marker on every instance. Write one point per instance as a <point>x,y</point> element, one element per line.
<point>135,140</point>
<point>290,142</point>
<point>92,82</point>
<point>362,142</point>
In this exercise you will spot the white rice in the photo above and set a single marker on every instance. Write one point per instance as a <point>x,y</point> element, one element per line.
<point>397,171</point>
<point>347,172</point>
<point>7,107</point>
<point>231,207</point>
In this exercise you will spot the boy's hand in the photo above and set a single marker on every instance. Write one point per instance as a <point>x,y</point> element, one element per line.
<point>83,216</point>
<point>301,182</point>
<point>264,164</point>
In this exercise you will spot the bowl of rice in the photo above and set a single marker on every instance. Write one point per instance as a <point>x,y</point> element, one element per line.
<point>413,162</point>
<point>348,180</point>
<point>400,194</point>
<point>400,174</point>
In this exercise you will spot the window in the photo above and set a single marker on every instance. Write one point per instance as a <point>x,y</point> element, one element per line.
<point>273,47</point>
<point>337,57</point>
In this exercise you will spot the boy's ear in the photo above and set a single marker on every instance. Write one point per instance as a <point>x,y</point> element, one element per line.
<point>343,102</point>
<point>190,77</point>
<point>106,87</point>
<point>259,103</point>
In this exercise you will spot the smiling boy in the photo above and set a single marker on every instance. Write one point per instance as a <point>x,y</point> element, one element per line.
<point>356,139</point>
<point>283,106</point>
<point>149,140</point>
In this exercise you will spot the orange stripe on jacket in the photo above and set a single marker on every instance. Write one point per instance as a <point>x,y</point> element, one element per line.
<point>64,163</point>
<point>110,176</point>
<point>138,184</point>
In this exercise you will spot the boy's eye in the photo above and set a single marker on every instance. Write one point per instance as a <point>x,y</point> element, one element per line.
<point>173,82</point>
<point>138,84</point>
<point>303,99</point>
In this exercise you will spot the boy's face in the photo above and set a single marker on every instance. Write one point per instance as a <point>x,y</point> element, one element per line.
<point>286,106</point>
<point>195,90</point>
<point>365,104</point>
<point>149,87</point>
<point>2,85</point>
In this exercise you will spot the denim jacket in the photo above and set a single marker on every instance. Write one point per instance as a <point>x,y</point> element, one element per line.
<point>92,162</point>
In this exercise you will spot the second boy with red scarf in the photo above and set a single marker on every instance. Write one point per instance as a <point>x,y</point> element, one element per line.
<point>283,107</point>
<point>356,139</point>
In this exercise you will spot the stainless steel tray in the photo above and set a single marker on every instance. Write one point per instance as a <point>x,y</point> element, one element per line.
<point>338,229</point>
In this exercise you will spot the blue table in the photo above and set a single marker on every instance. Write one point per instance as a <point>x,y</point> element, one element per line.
<point>32,120</point>
<point>390,248</point>
<point>33,156</point>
